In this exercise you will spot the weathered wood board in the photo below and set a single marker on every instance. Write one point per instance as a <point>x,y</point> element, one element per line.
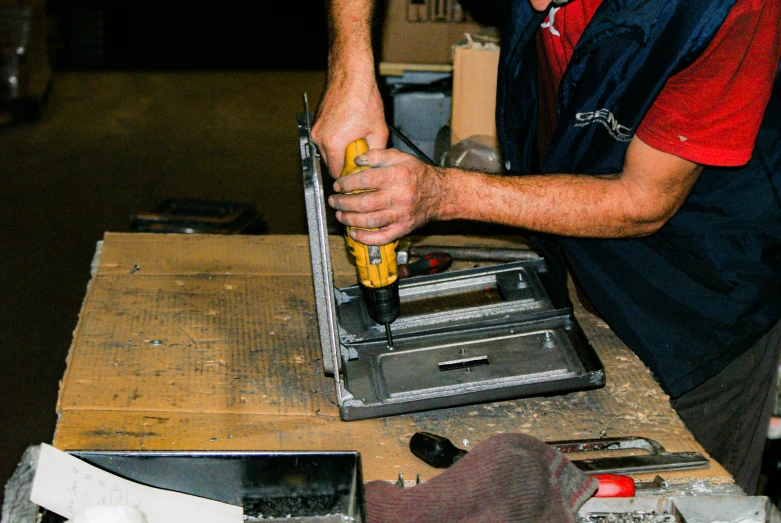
<point>211,343</point>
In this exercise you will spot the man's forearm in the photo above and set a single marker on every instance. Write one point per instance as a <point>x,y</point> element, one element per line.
<point>636,202</point>
<point>565,204</point>
<point>351,107</point>
<point>349,29</point>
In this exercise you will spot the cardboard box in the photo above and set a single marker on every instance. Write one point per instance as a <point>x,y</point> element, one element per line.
<point>423,31</point>
<point>475,67</point>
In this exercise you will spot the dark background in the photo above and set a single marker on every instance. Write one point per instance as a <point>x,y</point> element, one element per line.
<point>146,35</point>
<point>148,100</point>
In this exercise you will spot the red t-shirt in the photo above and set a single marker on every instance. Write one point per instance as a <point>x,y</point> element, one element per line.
<point>710,112</point>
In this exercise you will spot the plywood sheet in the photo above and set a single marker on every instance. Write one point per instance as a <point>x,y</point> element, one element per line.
<point>203,254</point>
<point>212,344</point>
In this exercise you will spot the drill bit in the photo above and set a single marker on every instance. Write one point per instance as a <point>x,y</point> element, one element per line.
<point>389,336</point>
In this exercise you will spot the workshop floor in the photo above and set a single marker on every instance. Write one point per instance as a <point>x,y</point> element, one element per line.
<point>113,144</point>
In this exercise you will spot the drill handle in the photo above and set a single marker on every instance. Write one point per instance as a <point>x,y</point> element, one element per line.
<point>354,150</point>
<point>376,265</point>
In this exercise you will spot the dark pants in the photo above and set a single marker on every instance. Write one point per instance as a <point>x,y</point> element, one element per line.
<point>729,414</point>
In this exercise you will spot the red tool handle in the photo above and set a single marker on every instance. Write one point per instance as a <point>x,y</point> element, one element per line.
<point>614,486</point>
<point>431,263</point>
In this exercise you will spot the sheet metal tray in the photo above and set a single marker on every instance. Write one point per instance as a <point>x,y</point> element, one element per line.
<point>463,337</point>
<point>696,508</point>
<point>311,487</point>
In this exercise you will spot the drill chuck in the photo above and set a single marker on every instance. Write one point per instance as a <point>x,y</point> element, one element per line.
<point>382,302</point>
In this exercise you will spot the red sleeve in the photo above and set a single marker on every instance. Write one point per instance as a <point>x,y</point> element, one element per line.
<point>710,112</point>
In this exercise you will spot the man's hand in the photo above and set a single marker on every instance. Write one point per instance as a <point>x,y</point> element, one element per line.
<point>351,107</point>
<point>405,194</point>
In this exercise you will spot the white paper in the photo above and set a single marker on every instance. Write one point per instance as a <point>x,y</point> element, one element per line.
<point>110,514</point>
<point>66,485</point>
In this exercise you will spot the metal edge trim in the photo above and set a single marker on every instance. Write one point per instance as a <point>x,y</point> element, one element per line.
<point>322,270</point>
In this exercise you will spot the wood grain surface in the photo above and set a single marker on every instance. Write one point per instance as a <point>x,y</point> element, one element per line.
<point>211,343</point>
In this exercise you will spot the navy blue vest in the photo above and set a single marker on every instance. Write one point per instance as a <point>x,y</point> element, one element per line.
<point>696,294</point>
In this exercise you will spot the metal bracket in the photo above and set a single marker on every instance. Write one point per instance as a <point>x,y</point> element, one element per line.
<point>657,459</point>
<point>465,337</point>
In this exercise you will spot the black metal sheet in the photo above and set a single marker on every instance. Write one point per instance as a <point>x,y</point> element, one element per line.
<point>271,486</point>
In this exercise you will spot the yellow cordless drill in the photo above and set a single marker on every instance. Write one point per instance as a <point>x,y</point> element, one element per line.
<point>376,265</point>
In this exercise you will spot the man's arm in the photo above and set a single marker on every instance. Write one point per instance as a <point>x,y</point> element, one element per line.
<point>636,202</point>
<point>351,107</point>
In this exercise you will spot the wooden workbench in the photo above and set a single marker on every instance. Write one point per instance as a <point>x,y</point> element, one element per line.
<point>195,342</point>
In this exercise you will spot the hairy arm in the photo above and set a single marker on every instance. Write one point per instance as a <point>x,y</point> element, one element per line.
<point>636,202</point>
<point>351,107</point>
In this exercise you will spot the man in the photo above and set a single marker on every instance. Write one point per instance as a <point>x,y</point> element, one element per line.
<point>658,150</point>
